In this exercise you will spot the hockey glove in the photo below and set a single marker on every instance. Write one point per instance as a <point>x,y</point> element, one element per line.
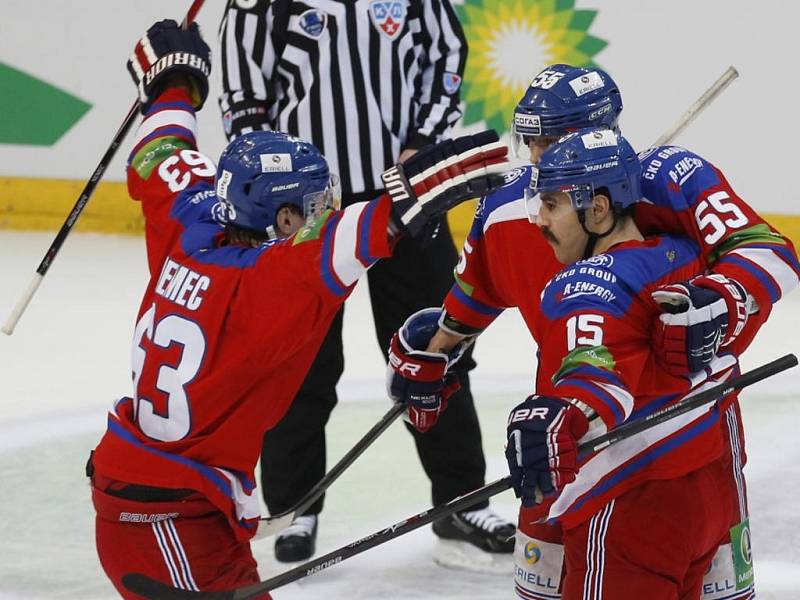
<point>418,377</point>
<point>167,50</point>
<point>542,450</point>
<point>443,175</point>
<point>700,316</point>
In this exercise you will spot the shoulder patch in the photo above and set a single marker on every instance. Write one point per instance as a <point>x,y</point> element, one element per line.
<point>313,230</point>
<point>151,154</point>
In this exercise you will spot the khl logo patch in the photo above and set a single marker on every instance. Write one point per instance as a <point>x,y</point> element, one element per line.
<point>451,82</point>
<point>389,17</point>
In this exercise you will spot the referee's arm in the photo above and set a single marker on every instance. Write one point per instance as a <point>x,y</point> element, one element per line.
<point>443,70</point>
<point>248,58</point>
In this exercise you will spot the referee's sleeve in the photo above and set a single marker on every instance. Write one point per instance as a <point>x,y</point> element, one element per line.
<point>443,70</point>
<point>248,58</point>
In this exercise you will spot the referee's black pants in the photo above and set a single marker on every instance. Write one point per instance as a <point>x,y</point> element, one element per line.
<point>293,457</point>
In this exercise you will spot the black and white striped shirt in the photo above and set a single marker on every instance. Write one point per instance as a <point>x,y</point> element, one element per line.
<point>361,79</point>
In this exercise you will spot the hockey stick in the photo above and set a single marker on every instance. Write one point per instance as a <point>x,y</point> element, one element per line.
<point>11,323</point>
<point>274,523</point>
<point>149,588</point>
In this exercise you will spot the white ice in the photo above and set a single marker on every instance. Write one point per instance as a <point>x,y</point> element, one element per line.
<point>69,359</point>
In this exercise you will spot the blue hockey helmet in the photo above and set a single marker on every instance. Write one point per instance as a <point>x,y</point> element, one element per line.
<point>261,171</point>
<point>562,99</point>
<point>583,161</point>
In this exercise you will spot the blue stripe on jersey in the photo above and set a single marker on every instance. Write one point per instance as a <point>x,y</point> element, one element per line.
<point>779,249</point>
<point>706,422</point>
<point>598,392</point>
<point>328,276</point>
<point>237,257</point>
<point>591,372</point>
<point>524,592</point>
<point>744,594</point>
<point>164,132</point>
<point>248,485</point>
<point>473,304</point>
<point>211,474</point>
<point>653,406</point>
<point>514,189</point>
<point>159,106</point>
<point>757,272</point>
<point>365,227</point>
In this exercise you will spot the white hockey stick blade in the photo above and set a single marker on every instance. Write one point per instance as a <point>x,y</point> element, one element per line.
<point>272,525</point>
<point>695,109</point>
<point>22,304</point>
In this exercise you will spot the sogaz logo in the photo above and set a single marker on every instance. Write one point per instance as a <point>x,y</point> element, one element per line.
<point>510,42</point>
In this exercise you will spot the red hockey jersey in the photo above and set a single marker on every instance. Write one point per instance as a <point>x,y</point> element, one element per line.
<point>225,334</point>
<point>506,262</point>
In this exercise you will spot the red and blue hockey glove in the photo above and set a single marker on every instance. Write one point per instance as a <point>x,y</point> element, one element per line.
<point>542,450</point>
<point>167,50</point>
<point>700,316</point>
<point>443,175</point>
<point>420,378</point>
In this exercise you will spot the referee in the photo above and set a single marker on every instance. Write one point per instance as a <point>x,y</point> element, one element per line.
<point>369,82</point>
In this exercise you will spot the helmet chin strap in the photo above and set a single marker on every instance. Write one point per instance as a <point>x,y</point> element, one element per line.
<point>594,236</point>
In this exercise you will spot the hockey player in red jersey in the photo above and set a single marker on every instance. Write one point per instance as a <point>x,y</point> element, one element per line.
<point>643,519</point>
<point>248,265</point>
<point>506,262</point>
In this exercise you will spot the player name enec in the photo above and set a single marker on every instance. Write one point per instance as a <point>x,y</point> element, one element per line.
<point>181,285</point>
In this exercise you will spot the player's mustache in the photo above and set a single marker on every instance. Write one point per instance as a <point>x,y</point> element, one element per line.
<point>548,235</point>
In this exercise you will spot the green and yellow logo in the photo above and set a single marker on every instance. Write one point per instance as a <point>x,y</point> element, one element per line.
<point>512,40</point>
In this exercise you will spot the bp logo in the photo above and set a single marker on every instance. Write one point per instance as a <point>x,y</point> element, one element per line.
<point>532,553</point>
<point>510,42</point>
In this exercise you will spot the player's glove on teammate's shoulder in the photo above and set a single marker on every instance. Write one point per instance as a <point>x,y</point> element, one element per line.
<point>166,50</point>
<point>542,449</point>
<point>700,316</point>
<point>443,175</point>
<point>418,377</point>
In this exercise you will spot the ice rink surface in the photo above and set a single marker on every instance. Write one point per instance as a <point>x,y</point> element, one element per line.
<point>69,359</point>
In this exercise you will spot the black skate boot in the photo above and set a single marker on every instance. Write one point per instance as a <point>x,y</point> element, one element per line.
<point>297,542</point>
<point>477,540</point>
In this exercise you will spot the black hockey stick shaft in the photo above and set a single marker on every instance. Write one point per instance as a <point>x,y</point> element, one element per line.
<point>274,523</point>
<point>149,588</point>
<point>688,403</point>
<point>80,204</point>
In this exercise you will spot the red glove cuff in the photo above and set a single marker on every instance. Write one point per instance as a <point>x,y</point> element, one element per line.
<point>426,367</point>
